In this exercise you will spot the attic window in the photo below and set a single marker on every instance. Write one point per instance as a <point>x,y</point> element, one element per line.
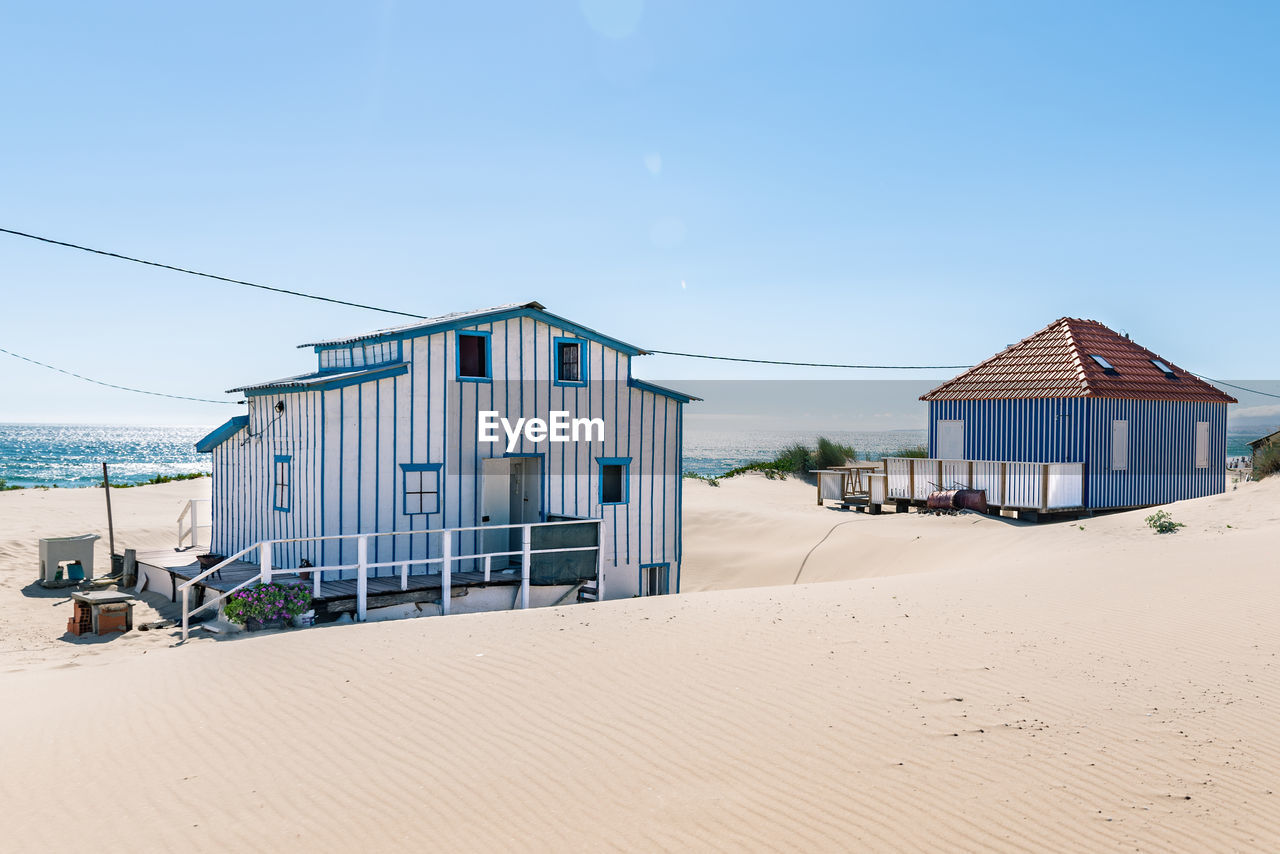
<point>1164,369</point>
<point>570,362</point>
<point>1107,367</point>
<point>473,356</point>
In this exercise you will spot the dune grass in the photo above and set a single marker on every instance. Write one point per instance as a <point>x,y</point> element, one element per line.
<point>161,478</point>
<point>1267,462</point>
<point>796,459</point>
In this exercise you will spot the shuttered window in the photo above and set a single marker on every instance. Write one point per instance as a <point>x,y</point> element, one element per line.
<point>950,440</point>
<point>1202,444</point>
<point>1119,445</point>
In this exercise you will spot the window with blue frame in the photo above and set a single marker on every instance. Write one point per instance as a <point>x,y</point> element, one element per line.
<point>282,488</point>
<point>614,481</point>
<point>421,488</point>
<point>655,579</point>
<point>570,361</point>
<point>474,358</point>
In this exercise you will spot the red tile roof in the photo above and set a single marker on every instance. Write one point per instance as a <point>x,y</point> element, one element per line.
<point>1056,362</point>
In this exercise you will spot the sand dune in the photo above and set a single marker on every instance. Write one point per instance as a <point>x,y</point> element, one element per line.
<point>1011,688</point>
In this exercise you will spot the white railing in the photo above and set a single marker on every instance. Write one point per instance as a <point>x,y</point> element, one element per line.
<point>266,572</point>
<point>1018,485</point>
<point>191,511</point>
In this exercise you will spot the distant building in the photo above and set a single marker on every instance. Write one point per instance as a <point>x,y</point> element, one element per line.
<point>1260,445</point>
<point>1135,428</point>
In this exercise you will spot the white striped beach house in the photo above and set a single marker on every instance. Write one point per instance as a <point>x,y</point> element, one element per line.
<point>488,459</point>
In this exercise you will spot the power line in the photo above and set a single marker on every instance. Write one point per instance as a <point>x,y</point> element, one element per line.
<point>810,364</point>
<point>334,301</point>
<point>1232,385</point>
<point>285,291</point>
<point>113,385</point>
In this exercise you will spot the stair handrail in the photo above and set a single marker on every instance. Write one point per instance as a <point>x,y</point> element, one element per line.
<point>363,564</point>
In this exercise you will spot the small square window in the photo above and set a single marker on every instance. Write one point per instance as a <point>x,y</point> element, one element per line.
<point>421,488</point>
<point>473,356</point>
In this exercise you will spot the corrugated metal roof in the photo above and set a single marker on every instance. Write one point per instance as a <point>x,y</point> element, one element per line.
<point>1058,361</point>
<point>315,378</point>
<point>427,321</point>
<point>464,319</point>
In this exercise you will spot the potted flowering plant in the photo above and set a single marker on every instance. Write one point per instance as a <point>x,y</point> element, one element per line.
<point>267,606</point>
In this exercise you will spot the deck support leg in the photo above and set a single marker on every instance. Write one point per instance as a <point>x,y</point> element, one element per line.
<point>404,576</point>
<point>362,578</point>
<point>488,566</point>
<point>446,571</point>
<point>600,561</point>
<point>186,616</point>
<point>526,537</point>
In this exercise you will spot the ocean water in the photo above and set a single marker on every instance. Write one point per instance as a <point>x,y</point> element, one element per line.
<point>70,455</point>
<point>713,452</point>
<point>73,454</point>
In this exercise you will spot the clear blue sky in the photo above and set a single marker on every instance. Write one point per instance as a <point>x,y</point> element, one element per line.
<point>855,181</point>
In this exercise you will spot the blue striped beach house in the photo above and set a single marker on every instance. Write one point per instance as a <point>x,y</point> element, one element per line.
<point>1073,418</point>
<point>508,449</point>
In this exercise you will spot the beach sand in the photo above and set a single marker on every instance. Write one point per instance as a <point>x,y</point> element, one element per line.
<point>961,683</point>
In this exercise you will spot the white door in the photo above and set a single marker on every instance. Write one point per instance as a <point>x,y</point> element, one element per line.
<point>495,502</point>
<point>1119,445</point>
<point>511,495</point>
<point>950,440</point>
<point>1202,444</point>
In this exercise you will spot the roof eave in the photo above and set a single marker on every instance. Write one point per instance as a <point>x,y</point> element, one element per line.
<point>529,309</point>
<point>222,433</point>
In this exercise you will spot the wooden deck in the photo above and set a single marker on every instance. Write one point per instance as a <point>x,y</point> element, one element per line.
<point>336,595</point>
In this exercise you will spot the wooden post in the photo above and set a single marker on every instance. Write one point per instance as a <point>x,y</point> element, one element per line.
<point>264,562</point>
<point>446,570</point>
<point>404,576</point>
<point>526,541</point>
<point>488,565</point>
<point>185,615</point>
<point>1004,484</point>
<point>362,577</point>
<point>130,576</point>
<point>315,583</point>
<point>1044,486</point>
<point>111,525</point>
